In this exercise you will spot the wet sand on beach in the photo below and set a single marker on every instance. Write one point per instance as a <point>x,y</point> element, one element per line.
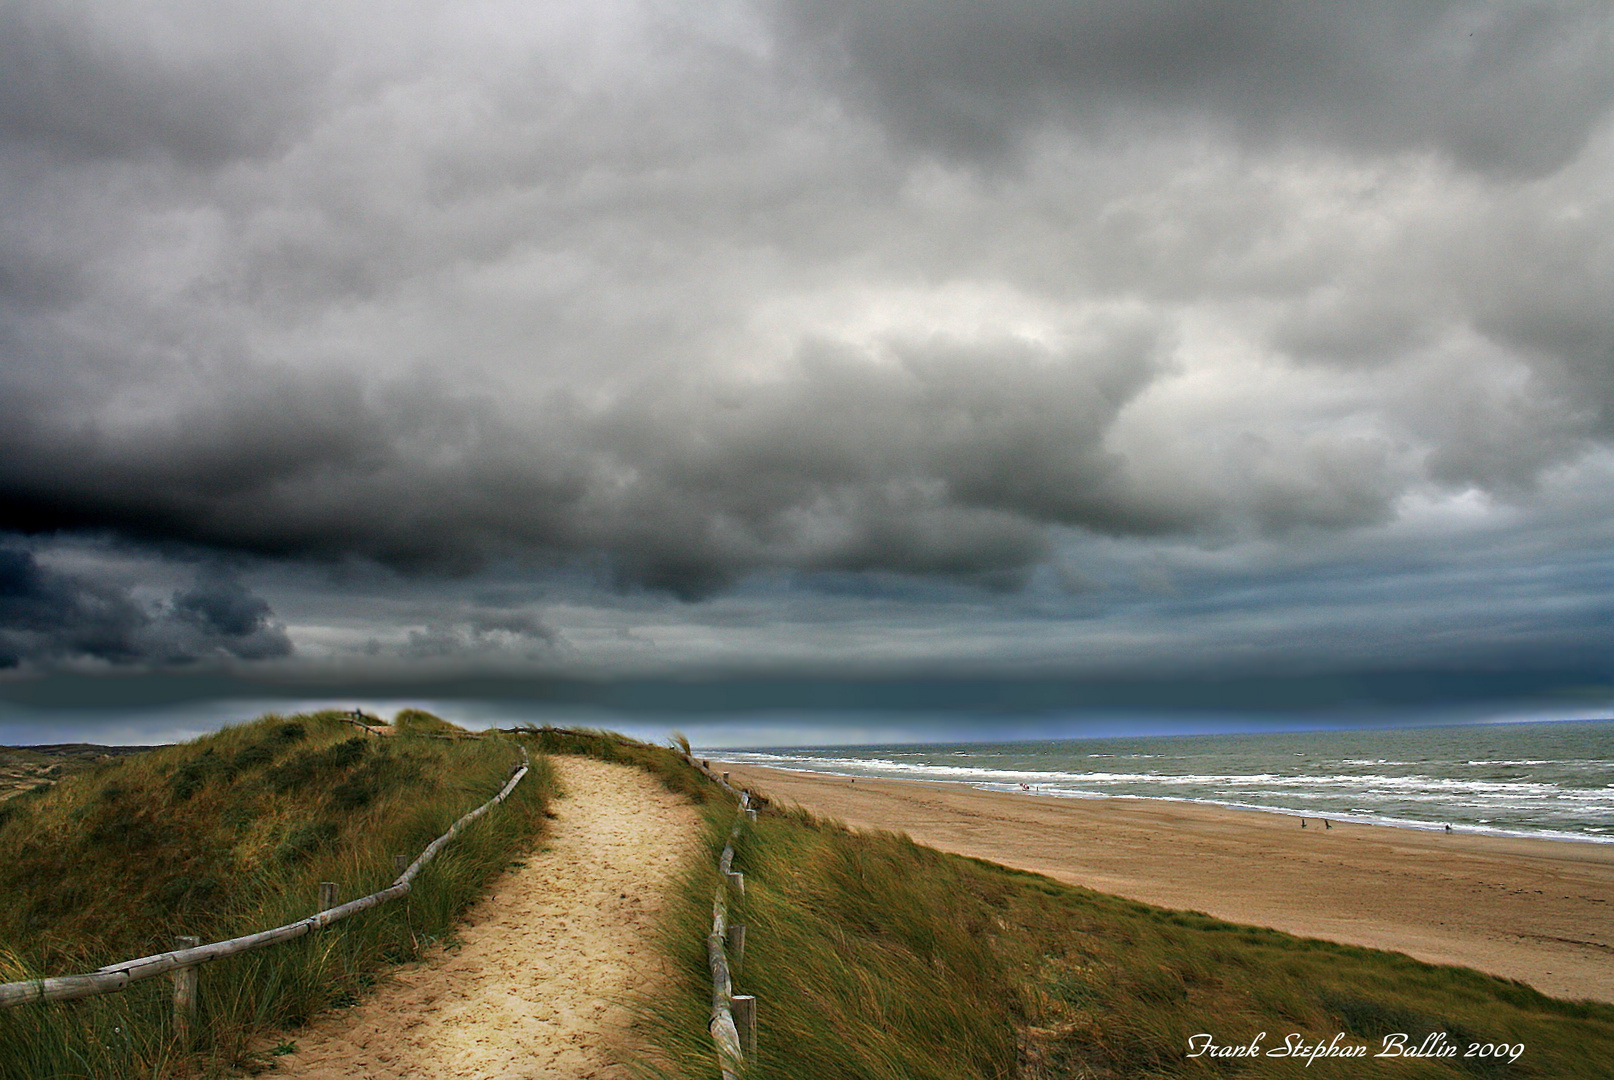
<point>1540,911</point>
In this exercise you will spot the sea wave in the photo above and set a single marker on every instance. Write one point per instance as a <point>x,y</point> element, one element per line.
<point>1566,797</point>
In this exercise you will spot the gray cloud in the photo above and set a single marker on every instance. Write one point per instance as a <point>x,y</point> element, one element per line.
<point>321,469</point>
<point>1514,87</point>
<point>803,288</point>
<point>484,636</point>
<point>198,83</point>
<point>50,618</point>
<point>910,460</point>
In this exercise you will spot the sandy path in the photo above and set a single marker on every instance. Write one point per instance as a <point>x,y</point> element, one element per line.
<point>548,956</point>
<point>1536,910</point>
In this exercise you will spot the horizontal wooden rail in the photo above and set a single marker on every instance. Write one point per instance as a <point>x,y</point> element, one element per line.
<point>119,976</point>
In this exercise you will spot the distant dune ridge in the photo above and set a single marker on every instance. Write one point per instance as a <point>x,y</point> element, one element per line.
<point>26,768</point>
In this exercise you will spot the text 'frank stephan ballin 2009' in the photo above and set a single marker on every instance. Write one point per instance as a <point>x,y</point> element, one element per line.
<point>1434,1045</point>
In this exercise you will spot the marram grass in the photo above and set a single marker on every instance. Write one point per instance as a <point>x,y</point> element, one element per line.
<point>873,958</point>
<point>224,836</point>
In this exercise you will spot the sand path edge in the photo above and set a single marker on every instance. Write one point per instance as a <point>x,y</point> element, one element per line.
<point>548,956</point>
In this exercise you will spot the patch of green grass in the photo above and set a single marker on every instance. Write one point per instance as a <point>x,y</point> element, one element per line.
<point>877,959</point>
<point>421,722</point>
<point>225,836</point>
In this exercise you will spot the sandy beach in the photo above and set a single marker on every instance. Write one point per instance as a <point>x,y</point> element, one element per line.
<point>1539,911</point>
<point>547,960</point>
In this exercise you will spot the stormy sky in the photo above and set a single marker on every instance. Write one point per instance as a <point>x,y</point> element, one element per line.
<point>1125,339</point>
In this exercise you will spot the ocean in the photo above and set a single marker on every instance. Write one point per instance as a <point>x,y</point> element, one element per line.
<point>1547,780</point>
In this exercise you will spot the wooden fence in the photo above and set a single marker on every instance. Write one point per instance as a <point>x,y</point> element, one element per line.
<point>183,961</point>
<point>734,1016</point>
<point>733,1021</point>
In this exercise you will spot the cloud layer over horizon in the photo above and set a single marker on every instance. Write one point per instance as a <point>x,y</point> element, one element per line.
<point>902,322</point>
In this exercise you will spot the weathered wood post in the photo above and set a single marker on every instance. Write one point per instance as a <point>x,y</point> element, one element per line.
<point>327,895</point>
<point>725,778</point>
<point>185,993</point>
<point>400,863</point>
<point>736,881</point>
<point>745,1019</point>
<point>751,816</point>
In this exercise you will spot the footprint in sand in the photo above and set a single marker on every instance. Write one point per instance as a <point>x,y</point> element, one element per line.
<point>548,955</point>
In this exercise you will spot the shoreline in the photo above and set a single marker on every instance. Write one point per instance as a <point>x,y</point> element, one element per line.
<point>1534,909</point>
<point>1082,796</point>
<point>1386,823</point>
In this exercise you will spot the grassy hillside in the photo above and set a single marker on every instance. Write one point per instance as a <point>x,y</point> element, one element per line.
<point>877,959</point>
<point>27,770</point>
<point>224,836</point>
<point>872,957</point>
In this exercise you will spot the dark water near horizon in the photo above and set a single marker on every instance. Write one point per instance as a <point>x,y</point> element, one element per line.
<point>1552,780</point>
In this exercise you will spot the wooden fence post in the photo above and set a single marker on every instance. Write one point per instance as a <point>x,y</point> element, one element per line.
<point>400,863</point>
<point>185,994</point>
<point>737,944</point>
<point>745,1019</point>
<point>327,895</point>
<point>736,881</point>
<point>725,778</point>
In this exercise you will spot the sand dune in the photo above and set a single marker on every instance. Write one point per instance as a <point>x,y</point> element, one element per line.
<point>548,957</point>
<point>1535,910</point>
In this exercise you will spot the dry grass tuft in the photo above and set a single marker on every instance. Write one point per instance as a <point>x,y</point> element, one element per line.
<point>875,958</point>
<point>224,836</point>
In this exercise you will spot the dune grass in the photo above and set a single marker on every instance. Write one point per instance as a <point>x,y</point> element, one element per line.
<point>31,771</point>
<point>663,762</point>
<point>877,959</point>
<point>224,836</point>
<point>872,957</point>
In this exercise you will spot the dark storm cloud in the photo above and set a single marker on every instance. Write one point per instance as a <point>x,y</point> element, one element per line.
<point>321,469</point>
<point>671,298</point>
<point>934,457</point>
<point>50,618</point>
<point>1514,87</point>
<point>224,607</point>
